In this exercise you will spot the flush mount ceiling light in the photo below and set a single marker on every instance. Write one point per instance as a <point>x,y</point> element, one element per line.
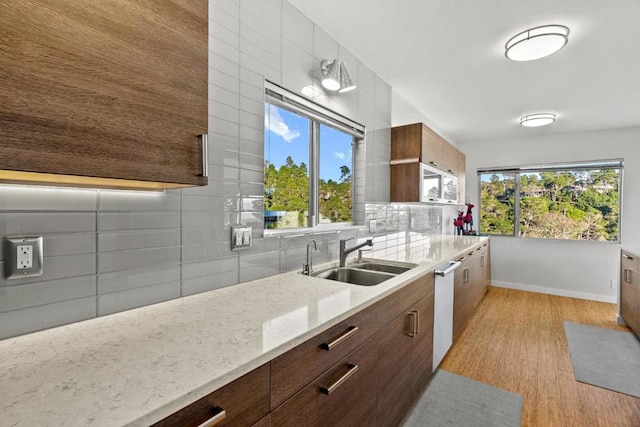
<point>537,120</point>
<point>536,43</point>
<point>336,77</point>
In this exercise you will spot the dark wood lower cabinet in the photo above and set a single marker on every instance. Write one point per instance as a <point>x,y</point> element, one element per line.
<point>244,401</point>
<point>460,296</point>
<point>369,378</point>
<point>422,347</point>
<point>337,398</point>
<point>368,419</point>
<point>405,349</point>
<point>300,365</point>
<point>471,281</point>
<point>394,370</point>
<point>630,291</point>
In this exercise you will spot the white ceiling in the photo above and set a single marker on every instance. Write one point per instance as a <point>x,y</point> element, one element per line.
<point>447,59</point>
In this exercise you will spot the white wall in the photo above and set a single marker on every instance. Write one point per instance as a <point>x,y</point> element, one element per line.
<point>568,268</point>
<point>404,113</point>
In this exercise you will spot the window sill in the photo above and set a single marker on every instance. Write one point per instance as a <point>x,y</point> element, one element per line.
<point>325,228</point>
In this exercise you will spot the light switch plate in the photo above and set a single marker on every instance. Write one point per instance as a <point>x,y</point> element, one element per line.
<point>241,237</point>
<point>23,256</point>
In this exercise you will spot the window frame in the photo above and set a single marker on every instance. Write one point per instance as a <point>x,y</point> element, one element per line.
<point>617,163</point>
<point>317,114</point>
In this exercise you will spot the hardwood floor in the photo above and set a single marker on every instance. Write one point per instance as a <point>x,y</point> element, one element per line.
<point>515,341</point>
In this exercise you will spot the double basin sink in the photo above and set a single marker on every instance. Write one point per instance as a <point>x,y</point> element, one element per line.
<point>366,273</point>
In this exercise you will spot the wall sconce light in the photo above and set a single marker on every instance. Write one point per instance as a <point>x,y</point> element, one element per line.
<point>336,77</point>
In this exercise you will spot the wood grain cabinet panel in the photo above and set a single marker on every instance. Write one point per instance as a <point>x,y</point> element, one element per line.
<point>264,422</point>
<point>422,347</point>
<point>352,385</point>
<point>300,365</point>
<point>394,370</point>
<point>471,281</point>
<point>244,402</point>
<point>462,174</point>
<point>114,89</point>
<point>461,310</point>
<point>630,290</point>
<point>449,158</point>
<point>406,179</point>
<point>407,142</point>
<point>405,351</point>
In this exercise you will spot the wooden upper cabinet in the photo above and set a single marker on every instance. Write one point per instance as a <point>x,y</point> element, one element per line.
<point>103,94</point>
<point>432,147</point>
<point>462,167</point>
<point>407,142</point>
<point>449,162</point>
<point>418,141</point>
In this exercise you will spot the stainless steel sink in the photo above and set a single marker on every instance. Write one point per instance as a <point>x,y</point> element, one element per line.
<point>368,273</point>
<point>387,267</point>
<point>354,276</point>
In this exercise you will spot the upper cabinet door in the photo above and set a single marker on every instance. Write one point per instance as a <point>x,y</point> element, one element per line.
<point>112,89</point>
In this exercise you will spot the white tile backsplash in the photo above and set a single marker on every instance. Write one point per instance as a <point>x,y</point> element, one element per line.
<point>107,251</point>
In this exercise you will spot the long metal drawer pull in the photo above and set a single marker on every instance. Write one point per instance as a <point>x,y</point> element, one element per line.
<point>417,322</point>
<point>342,338</point>
<point>328,390</point>
<point>462,258</point>
<point>434,163</point>
<point>466,275</point>
<point>482,261</point>
<point>204,138</point>
<point>627,275</point>
<point>471,253</point>
<point>627,256</point>
<point>215,420</point>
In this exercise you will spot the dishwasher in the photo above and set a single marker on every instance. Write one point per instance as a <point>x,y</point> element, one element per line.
<point>443,310</point>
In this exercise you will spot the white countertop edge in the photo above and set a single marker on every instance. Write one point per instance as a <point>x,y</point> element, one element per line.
<point>634,250</point>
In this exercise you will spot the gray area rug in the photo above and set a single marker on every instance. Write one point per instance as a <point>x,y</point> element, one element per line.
<point>453,400</point>
<point>605,358</point>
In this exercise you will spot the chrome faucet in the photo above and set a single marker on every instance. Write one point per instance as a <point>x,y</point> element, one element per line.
<point>344,252</point>
<point>308,267</point>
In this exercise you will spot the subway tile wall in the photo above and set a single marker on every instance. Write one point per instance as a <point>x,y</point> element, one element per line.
<point>109,251</point>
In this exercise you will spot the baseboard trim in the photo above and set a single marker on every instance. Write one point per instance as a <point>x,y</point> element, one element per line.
<point>554,291</point>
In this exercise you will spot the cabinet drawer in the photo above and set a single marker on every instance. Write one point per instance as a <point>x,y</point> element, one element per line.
<point>244,401</point>
<point>338,398</point>
<point>398,302</point>
<point>299,366</point>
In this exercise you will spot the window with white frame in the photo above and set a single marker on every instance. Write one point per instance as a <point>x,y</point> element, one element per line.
<point>308,162</point>
<point>573,201</point>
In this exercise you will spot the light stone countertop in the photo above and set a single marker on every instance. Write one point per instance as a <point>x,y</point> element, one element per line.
<point>632,249</point>
<point>136,367</point>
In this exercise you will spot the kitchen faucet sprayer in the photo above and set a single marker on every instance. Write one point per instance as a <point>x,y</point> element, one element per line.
<point>344,252</point>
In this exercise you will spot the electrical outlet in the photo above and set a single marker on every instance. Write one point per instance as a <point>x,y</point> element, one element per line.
<point>240,237</point>
<point>412,223</point>
<point>614,284</point>
<point>24,256</point>
<point>372,226</point>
